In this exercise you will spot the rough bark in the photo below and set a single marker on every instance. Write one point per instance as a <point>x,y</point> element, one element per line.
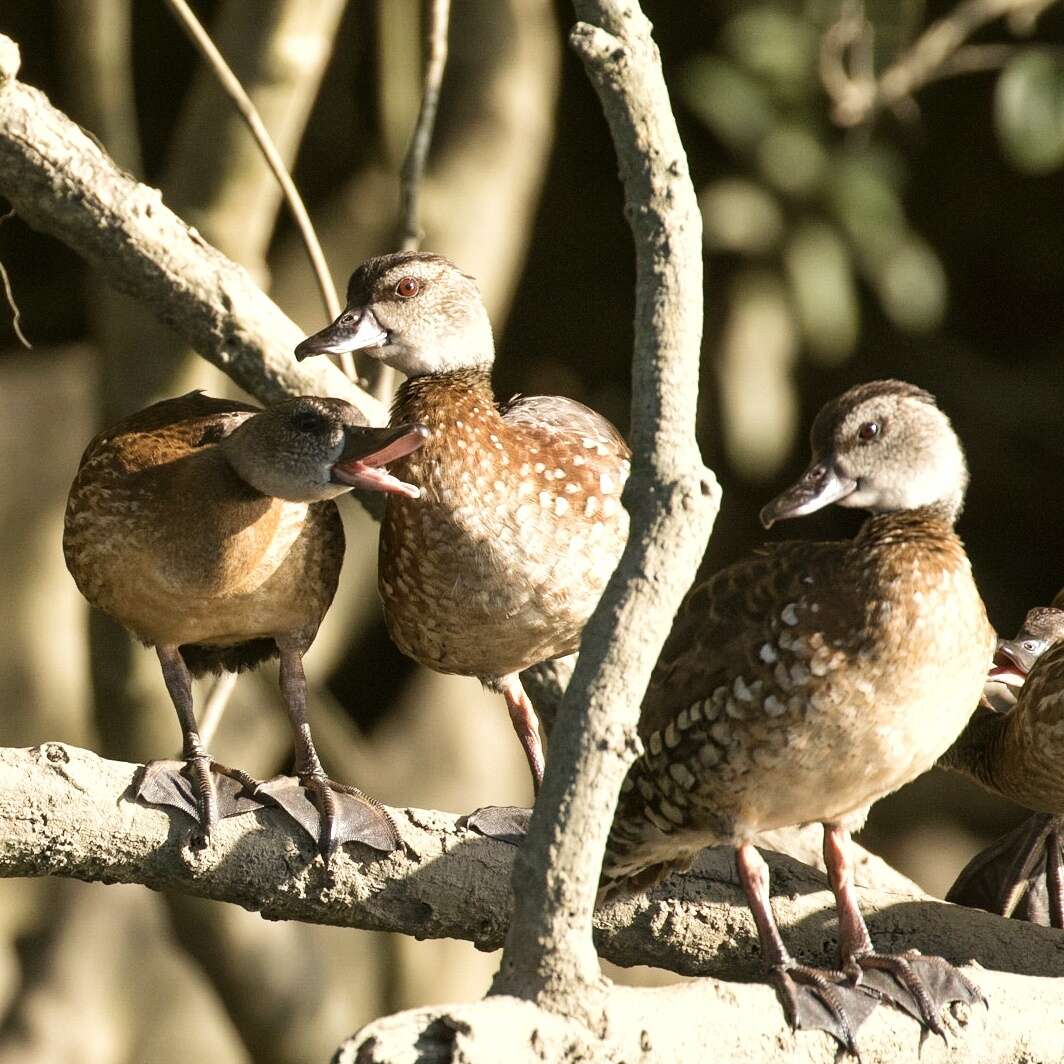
<point>66,812</point>
<point>60,182</point>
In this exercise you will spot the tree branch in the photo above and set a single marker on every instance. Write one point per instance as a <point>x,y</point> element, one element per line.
<point>60,182</point>
<point>67,812</point>
<point>672,500</point>
<point>413,169</point>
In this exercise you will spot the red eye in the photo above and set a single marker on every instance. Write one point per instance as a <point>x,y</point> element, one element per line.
<point>407,288</point>
<point>868,431</point>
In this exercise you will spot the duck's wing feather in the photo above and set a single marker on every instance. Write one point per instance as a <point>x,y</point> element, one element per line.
<point>738,624</point>
<point>559,416</point>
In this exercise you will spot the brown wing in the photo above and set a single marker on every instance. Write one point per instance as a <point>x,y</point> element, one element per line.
<point>731,625</point>
<point>190,420</point>
<point>556,415</point>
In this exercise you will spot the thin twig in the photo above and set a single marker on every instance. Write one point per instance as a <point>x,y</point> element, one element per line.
<point>235,91</point>
<point>9,295</point>
<point>857,94</point>
<point>413,170</point>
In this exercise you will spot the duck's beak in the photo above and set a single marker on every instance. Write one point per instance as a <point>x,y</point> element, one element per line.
<point>367,450</point>
<point>819,486</point>
<point>355,330</point>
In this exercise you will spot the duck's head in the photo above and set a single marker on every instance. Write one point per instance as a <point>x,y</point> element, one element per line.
<point>1042,628</point>
<point>881,446</point>
<point>312,448</point>
<point>414,311</point>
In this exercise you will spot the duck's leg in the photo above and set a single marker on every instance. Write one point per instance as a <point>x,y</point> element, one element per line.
<point>1055,876</point>
<point>526,724</point>
<point>189,784</point>
<point>814,998</point>
<point>331,813</point>
<point>922,986</point>
<point>509,823</point>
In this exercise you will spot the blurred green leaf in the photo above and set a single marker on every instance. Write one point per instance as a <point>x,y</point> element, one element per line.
<point>823,290</point>
<point>778,46</point>
<point>1029,111</point>
<point>759,347</point>
<point>863,196</point>
<point>792,160</point>
<point>912,286</point>
<point>740,216</point>
<point>731,102</point>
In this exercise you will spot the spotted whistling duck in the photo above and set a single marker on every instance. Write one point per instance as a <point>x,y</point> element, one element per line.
<point>499,564</point>
<point>812,678</point>
<point>1014,750</point>
<point>207,528</point>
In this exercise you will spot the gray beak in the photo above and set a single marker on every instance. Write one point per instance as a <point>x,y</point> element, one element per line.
<point>355,330</point>
<point>819,486</point>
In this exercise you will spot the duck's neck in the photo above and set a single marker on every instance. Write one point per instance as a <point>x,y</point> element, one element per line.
<point>925,525</point>
<point>434,399</point>
<point>979,750</point>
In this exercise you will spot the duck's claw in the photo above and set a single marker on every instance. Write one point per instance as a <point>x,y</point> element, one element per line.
<point>817,999</point>
<point>507,823</point>
<point>921,986</point>
<point>333,813</point>
<point>201,788</point>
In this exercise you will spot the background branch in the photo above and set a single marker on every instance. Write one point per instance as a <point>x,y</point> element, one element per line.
<point>857,93</point>
<point>413,170</point>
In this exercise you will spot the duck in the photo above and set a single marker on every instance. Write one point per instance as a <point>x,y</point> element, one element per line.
<point>500,562</point>
<point>208,528</point>
<point>808,680</point>
<point>1010,747</point>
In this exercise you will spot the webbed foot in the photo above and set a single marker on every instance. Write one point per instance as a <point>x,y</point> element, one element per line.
<point>507,823</point>
<point>200,787</point>
<point>333,813</point>
<point>817,999</point>
<point>1018,875</point>
<point>921,986</point>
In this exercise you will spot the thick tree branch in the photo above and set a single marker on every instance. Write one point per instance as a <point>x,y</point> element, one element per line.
<point>672,500</point>
<point>67,812</point>
<point>60,182</point>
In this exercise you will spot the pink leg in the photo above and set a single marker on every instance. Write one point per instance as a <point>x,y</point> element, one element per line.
<point>814,998</point>
<point>526,724</point>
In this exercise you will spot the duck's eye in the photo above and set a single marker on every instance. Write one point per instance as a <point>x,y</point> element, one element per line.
<point>308,422</point>
<point>868,431</point>
<point>407,288</point>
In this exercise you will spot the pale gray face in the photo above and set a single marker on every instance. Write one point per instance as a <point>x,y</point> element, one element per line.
<point>881,446</point>
<point>414,311</point>
<point>312,448</point>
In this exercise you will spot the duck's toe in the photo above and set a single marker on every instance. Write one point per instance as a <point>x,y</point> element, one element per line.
<point>921,986</point>
<point>333,813</point>
<point>507,823</point>
<point>817,999</point>
<point>199,787</point>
